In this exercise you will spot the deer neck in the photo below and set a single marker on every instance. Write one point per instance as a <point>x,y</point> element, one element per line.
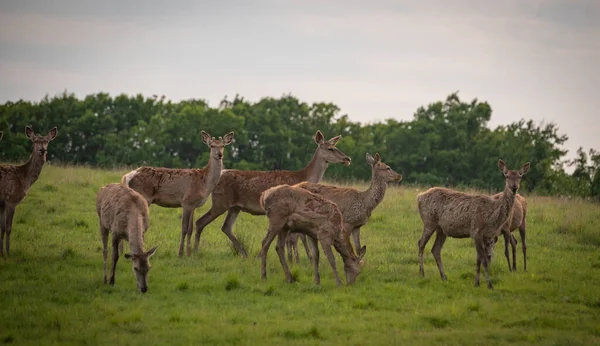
<point>375,193</point>
<point>505,205</point>
<point>33,168</point>
<point>213,170</point>
<point>136,234</point>
<point>314,171</point>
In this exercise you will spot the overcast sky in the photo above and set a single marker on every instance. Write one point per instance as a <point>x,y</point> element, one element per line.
<point>532,59</point>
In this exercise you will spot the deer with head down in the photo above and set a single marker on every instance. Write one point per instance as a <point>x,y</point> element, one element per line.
<point>293,209</point>
<point>181,188</point>
<point>239,191</point>
<point>449,213</point>
<point>15,181</point>
<point>124,212</point>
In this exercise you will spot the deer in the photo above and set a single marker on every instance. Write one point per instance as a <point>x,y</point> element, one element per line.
<point>16,180</point>
<point>516,221</point>
<point>293,209</point>
<point>356,206</point>
<point>450,213</point>
<point>124,212</point>
<point>239,191</point>
<point>181,188</point>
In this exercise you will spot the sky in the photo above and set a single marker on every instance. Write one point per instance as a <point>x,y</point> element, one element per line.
<point>531,59</point>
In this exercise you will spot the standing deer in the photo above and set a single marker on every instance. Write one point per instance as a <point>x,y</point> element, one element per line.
<point>357,206</point>
<point>517,220</point>
<point>293,209</point>
<point>449,213</point>
<point>124,212</point>
<point>181,188</point>
<point>240,190</point>
<point>15,182</point>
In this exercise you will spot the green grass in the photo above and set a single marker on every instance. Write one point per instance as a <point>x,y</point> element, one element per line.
<point>51,289</point>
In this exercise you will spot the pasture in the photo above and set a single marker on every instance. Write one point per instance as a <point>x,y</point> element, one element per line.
<point>51,289</point>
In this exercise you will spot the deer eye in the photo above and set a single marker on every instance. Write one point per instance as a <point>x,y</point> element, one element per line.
<point>330,149</point>
<point>136,269</point>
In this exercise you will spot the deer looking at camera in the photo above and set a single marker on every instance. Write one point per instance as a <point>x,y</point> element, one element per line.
<point>181,188</point>
<point>449,213</point>
<point>16,180</point>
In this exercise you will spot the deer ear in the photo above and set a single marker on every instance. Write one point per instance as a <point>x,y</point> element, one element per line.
<point>370,159</point>
<point>151,251</point>
<point>29,132</point>
<point>53,133</point>
<point>205,137</point>
<point>228,138</point>
<point>362,252</point>
<point>502,166</point>
<point>525,168</point>
<point>377,157</point>
<point>319,139</point>
<point>333,141</point>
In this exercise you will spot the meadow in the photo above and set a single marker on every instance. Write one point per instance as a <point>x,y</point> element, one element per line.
<point>51,288</point>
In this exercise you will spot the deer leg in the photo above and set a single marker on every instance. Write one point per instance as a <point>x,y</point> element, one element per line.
<point>326,245</point>
<point>104,235</point>
<point>289,245</point>
<point>10,212</point>
<point>507,239</point>
<point>2,229</point>
<point>185,222</point>
<point>190,230</point>
<point>314,249</point>
<point>513,245</point>
<point>115,258</point>
<point>480,248</point>
<point>227,228</point>
<point>271,234</point>
<point>427,233</point>
<point>436,250</point>
<point>302,237</point>
<point>202,222</point>
<point>280,248</point>
<point>522,232</point>
<point>485,269</point>
<point>295,248</point>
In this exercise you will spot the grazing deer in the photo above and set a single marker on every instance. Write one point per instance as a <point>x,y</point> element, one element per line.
<point>181,188</point>
<point>292,209</point>
<point>357,206</point>
<point>15,182</point>
<point>449,213</point>
<point>517,220</point>
<point>240,190</point>
<point>124,212</point>
<point>291,244</point>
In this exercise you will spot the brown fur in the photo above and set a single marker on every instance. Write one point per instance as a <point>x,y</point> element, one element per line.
<point>516,221</point>
<point>15,182</point>
<point>450,213</point>
<point>181,188</point>
<point>239,191</point>
<point>356,206</point>
<point>124,212</point>
<point>292,209</point>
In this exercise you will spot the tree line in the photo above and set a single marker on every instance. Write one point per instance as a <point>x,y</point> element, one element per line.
<point>447,143</point>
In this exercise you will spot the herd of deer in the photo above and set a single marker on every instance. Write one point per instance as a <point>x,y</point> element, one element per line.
<point>295,203</point>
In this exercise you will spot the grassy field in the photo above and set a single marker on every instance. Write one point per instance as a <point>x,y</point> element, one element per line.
<point>51,289</point>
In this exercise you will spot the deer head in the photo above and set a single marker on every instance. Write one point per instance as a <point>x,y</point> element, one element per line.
<point>327,150</point>
<point>40,143</point>
<point>513,178</point>
<point>217,145</point>
<point>352,265</point>
<point>381,170</point>
<point>141,267</point>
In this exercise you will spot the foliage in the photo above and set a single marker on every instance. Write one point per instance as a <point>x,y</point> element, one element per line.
<point>446,143</point>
